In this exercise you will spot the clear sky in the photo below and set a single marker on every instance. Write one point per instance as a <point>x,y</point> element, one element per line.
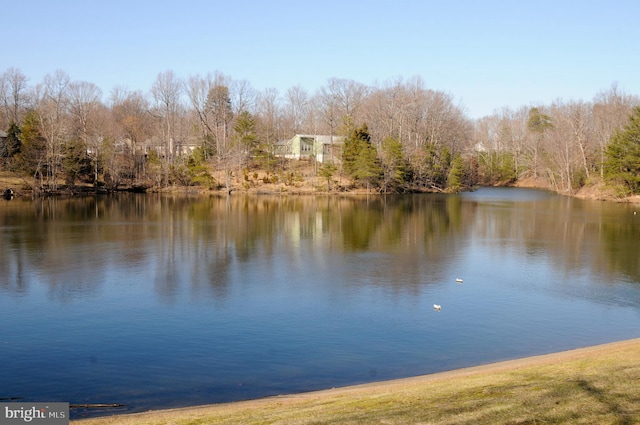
<point>487,54</point>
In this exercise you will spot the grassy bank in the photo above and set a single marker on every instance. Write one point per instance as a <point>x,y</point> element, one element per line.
<point>595,385</point>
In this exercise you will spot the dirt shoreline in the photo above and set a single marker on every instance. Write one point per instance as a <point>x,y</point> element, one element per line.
<point>369,389</point>
<point>308,184</point>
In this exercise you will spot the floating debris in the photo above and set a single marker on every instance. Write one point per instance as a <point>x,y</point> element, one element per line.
<point>95,405</point>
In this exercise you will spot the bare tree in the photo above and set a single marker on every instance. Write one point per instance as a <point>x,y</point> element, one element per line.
<point>84,105</point>
<point>198,89</point>
<point>296,107</point>
<point>269,118</point>
<point>327,108</point>
<point>611,110</point>
<point>52,108</point>
<point>383,111</point>
<point>243,96</point>
<point>519,125</point>
<point>135,125</point>
<point>562,150</point>
<point>13,96</point>
<point>217,112</point>
<point>487,143</point>
<point>219,106</point>
<point>166,93</point>
<point>349,95</point>
<point>580,120</point>
<point>84,99</point>
<point>131,112</point>
<point>538,124</point>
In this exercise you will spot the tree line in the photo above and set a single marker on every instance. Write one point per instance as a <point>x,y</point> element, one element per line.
<point>399,136</point>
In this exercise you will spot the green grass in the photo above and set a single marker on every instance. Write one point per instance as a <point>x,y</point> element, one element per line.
<point>589,386</point>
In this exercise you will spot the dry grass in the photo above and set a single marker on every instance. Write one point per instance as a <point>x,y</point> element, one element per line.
<point>13,181</point>
<point>596,385</point>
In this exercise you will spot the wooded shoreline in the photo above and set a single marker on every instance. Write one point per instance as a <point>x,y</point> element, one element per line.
<point>217,133</point>
<point>9,190</point>
<point>307,183</point>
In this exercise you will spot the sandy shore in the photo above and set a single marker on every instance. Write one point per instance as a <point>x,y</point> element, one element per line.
<point>371,389</point>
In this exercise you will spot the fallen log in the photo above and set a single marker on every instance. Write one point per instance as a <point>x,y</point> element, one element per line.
<point>95,405</point>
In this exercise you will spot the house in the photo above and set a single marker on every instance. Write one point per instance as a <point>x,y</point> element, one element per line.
<point>3,143</point>
<point>180,147</point>
<point>321,147</point>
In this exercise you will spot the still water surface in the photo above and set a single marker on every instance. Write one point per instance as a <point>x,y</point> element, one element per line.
<point>165,301</point>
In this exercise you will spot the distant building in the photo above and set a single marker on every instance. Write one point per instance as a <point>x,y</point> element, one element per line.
<point>3,143</point>
<point>321,147</point>
<point>180,147</point>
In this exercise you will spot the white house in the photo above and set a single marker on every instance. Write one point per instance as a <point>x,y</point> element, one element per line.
<point>321,147</point>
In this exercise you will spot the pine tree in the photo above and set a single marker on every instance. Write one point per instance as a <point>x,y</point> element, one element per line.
<point>247,140</point>
<point>395,167</point>
<point>13,144</point>
<point>76,163</point>
<point>456,174</point>
<point>434,166</point>
<point>538,124</point>
<point>197,169</point>
<point>353,146</point>
<point>367,166</point>
<point>31,158</point>
<point>245,130</point>
<point>327,171</point>
<point>360,157</point>
<point>622,162</point>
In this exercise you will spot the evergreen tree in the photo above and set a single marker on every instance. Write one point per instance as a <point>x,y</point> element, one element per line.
<point>360,157</point>
<point>33,149</point>
<point>327,170</point>
<point>198,170</point>
<point>395,167</point>
<point>367,166</point>
<point>538,124</point>
<point>245,133</point>
<point>353,145</point>
<point>498,167</point>
<point>434,166</point>
<point>218,106</point>
<point>12,143</point>
<point>76,163</point>
<point>622,162</point>
<point>455,179</point>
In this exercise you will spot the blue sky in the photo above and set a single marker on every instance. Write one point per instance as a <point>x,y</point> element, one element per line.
<point>486,54</point>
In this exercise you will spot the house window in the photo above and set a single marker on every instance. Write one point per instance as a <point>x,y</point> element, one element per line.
<point>306,145</point>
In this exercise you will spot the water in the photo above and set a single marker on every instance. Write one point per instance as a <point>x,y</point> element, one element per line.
<point>166,301</point>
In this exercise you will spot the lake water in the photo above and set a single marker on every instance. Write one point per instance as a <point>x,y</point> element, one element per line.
<point>157,301</point>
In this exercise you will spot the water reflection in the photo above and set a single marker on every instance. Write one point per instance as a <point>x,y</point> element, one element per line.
<point>195,242</point>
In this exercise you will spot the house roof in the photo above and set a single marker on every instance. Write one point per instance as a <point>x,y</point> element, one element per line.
<point>322,138</point>
<point>328,139</point>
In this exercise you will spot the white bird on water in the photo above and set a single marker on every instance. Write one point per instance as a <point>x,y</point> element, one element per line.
<point>459,280</point>
<point>437,307</point>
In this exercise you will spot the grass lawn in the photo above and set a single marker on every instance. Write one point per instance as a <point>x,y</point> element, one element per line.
<point>594,385</point>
